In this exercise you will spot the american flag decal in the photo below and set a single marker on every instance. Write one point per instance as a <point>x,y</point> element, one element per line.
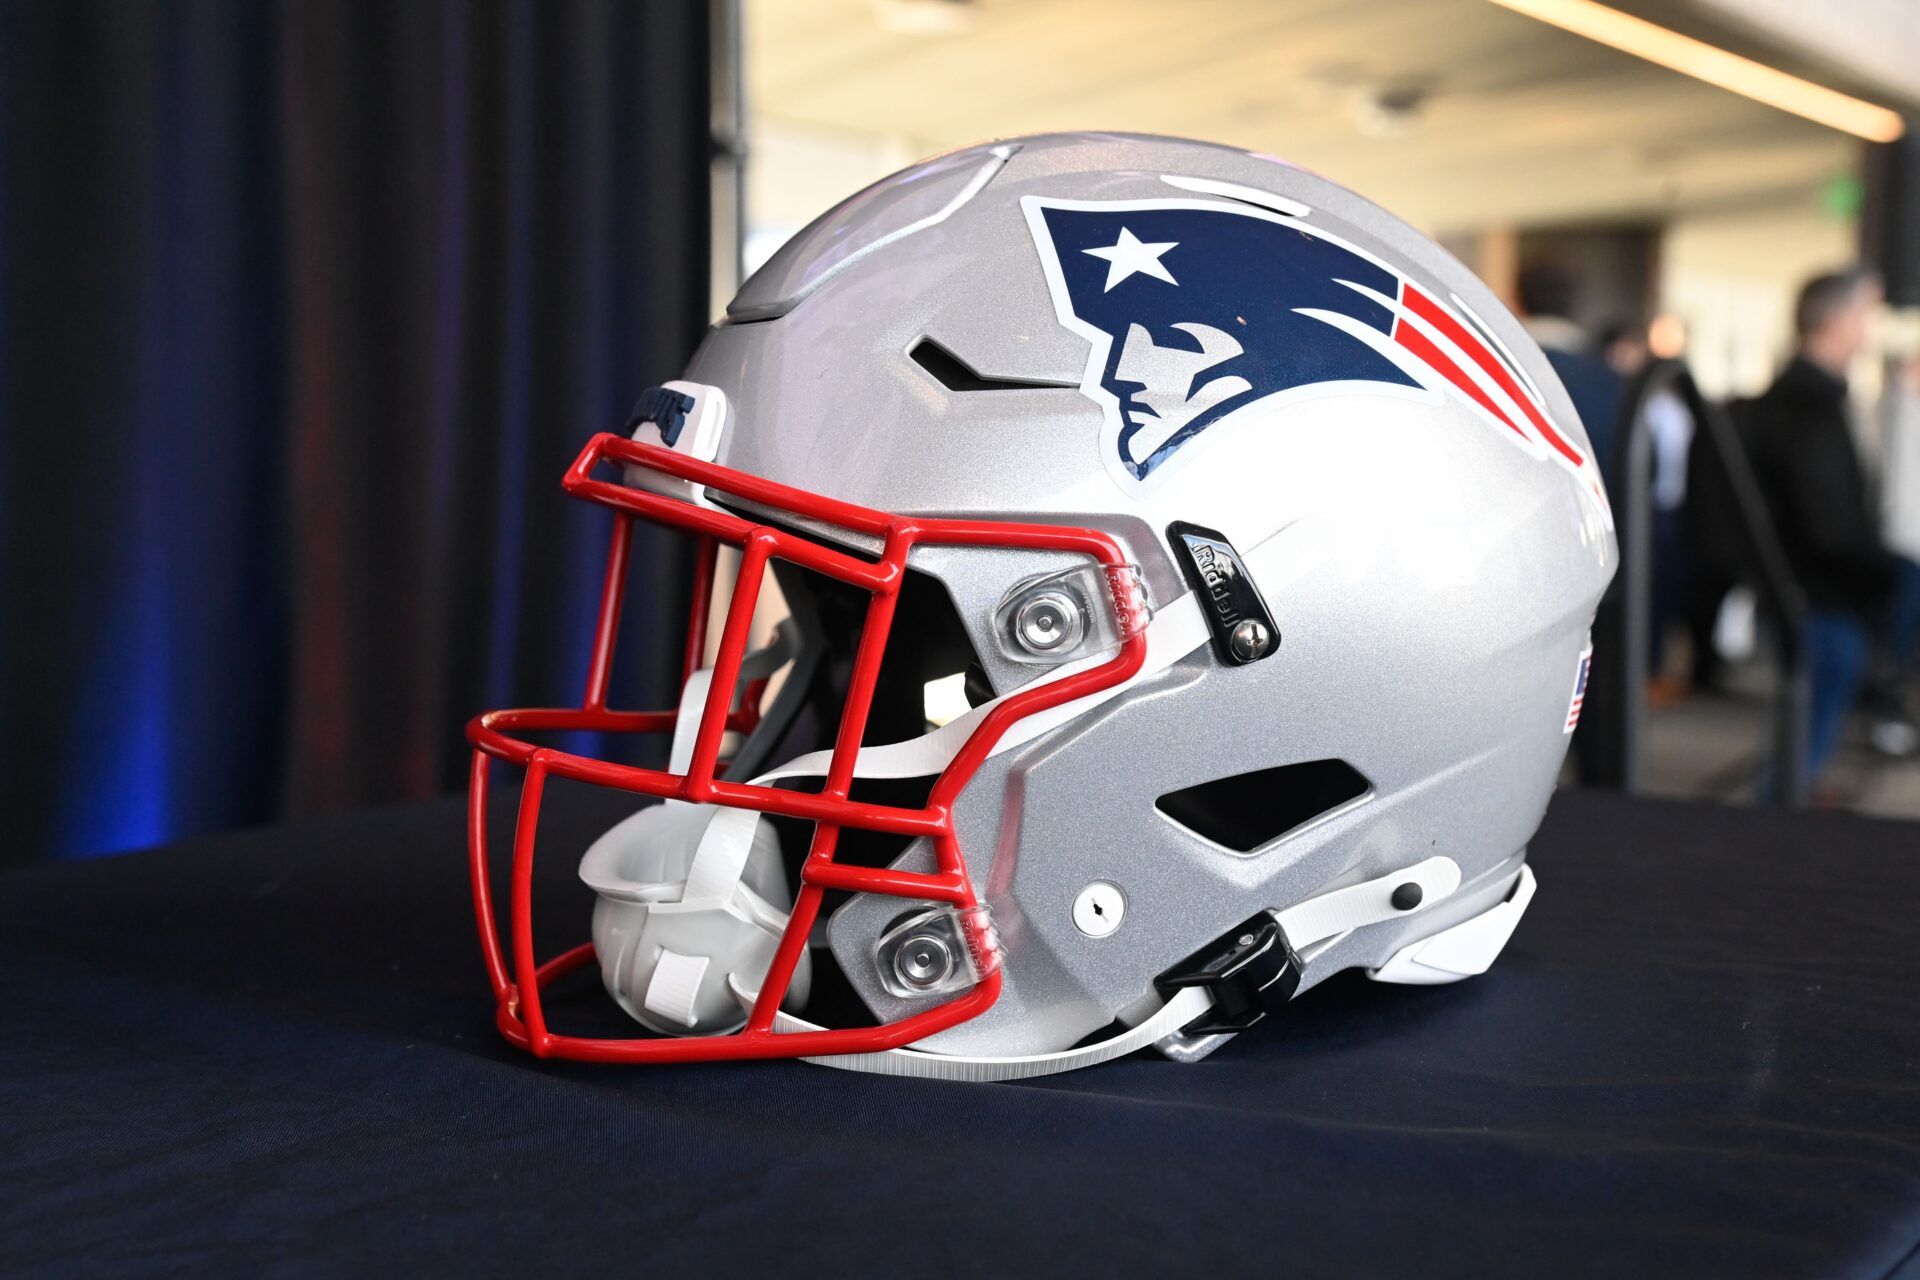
<point>1579,687</point>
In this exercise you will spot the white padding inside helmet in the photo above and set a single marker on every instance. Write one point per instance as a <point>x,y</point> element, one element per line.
<point>689,897</point>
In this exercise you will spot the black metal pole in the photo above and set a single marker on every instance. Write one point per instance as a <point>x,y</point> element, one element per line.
<point>1633,511</point>
<point>1766,570</point>
<point>728,125</point>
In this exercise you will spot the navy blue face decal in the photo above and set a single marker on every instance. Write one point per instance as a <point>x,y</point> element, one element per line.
<point>1201,312</point>
<point>1196,309</point>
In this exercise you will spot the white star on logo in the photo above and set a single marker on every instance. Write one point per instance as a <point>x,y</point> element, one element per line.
<point>1127,255</point>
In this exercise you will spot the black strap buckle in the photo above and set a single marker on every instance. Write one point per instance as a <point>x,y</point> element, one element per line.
<point>1250,971</point>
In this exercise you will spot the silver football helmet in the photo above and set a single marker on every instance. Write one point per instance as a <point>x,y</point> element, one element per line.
<point>1187,571</point>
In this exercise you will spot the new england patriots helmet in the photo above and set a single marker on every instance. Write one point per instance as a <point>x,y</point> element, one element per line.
<point>1136,580</point>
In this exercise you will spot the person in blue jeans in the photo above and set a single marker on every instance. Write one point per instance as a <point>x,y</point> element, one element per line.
<point>1809,468</point>
<point>1837,648</point>
<point>1904,631</point>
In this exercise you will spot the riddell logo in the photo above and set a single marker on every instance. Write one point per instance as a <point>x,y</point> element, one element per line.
<point>1129,600</point>
<point>1243,630</point>
<point>1220,575</point>
<point>982,939</point>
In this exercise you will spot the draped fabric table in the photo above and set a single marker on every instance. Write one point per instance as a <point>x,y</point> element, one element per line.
<point>273,1053</point>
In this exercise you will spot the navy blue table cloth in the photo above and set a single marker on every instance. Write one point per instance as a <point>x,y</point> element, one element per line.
<point>273,1054</point>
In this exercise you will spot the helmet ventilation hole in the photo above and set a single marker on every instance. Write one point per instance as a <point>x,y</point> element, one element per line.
<point>1247,810</point>
<point>953,373</point>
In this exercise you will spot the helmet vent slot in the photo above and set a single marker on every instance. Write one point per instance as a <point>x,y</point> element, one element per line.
<point>953,373</point>
<point>1247,810</point>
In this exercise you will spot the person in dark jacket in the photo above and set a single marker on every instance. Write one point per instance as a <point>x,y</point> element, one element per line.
<point>1809,467</point>
<point>1549,294</point>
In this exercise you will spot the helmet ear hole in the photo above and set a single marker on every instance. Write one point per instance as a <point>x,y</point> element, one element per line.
<point>1246,810</point>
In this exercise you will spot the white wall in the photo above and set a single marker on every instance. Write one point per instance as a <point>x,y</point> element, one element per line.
<point>1732,278</point>
<point>796,173</point>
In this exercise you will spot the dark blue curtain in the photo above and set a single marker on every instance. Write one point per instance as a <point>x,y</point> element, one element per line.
<point>304,308</point>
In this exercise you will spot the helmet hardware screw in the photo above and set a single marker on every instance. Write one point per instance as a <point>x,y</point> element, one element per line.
<point>1251,639</point>
<point>924,961</point>
<point>1048,622</point>
<point>1407,896</point>
<point>1099,909</point>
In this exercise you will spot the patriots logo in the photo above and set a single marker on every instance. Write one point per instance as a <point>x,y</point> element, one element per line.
<point>1196,309</point>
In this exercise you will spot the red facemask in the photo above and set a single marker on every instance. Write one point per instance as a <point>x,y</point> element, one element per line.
<point>668,487</point>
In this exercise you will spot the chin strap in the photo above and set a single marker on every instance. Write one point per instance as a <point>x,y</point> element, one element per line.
<point>1325,916</point>
<point>1183,1008</point>
<point>759,664</point>
<point>1396,894</point>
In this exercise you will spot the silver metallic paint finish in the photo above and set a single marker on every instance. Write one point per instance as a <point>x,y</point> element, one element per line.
<point>890,210</point>
<point>1437,591</point>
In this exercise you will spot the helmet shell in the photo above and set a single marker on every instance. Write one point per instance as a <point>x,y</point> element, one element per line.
<point>1432,580</point>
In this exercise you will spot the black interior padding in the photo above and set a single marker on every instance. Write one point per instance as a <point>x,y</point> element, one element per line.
<point>927,641</point>
<point>1247,810</point>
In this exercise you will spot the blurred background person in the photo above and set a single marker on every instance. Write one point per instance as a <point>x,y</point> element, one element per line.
<point>1810,469</point>
<point>1716,546</point>
<point>1670,428</point>
<point>1549,298</point>
<point>1624,348</point>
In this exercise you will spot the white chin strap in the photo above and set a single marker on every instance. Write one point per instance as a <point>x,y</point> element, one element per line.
<point>1316,920</point>
<point>1187,1004</point>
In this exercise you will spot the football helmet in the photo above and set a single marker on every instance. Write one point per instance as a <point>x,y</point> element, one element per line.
<point>1136,580</point>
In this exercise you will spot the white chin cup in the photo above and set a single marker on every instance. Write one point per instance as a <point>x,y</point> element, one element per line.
<point>687,898</point>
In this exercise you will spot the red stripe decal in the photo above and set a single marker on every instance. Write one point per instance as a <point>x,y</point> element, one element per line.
<point>1423,349</point>
<point>1430,311</point>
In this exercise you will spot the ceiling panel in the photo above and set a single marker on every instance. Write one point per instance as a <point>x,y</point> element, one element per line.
<point>1510,120</point>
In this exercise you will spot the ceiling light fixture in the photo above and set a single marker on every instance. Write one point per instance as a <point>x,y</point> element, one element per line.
<point>924,17</point>
<point>1716,66</point>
